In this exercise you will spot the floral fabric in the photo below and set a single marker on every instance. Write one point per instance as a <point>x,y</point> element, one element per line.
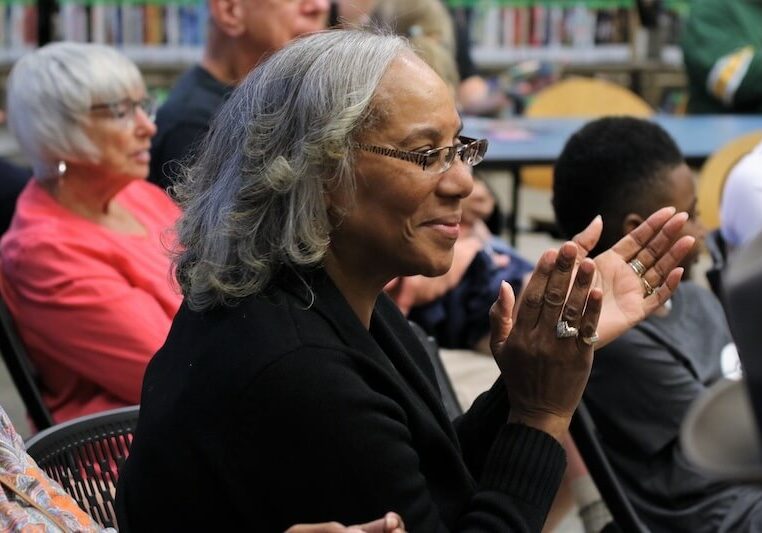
<point>18,468</point>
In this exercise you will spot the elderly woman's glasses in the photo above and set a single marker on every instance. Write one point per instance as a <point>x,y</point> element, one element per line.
<point>126,109</point>
<point>437,160</point>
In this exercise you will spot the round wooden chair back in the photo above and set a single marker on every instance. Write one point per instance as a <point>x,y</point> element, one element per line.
<point>578,96</point>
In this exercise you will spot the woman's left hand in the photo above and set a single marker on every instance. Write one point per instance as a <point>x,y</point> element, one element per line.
<point>655,244</point>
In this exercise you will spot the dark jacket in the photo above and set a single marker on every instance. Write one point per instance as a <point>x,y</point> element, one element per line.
<point>275,412</point>
<point>182,121</point>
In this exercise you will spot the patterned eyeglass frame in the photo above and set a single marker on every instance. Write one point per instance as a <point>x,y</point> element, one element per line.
<point>419,158</point>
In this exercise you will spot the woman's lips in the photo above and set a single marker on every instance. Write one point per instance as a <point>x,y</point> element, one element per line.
<point>449,227</point>
<point>143,156</point>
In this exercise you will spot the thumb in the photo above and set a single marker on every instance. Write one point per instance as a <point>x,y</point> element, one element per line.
<point>588,237</point>
<point>501,317</point>
<point>376,526</point>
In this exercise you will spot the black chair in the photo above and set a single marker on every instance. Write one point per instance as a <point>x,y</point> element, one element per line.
<point>22,372</point>
<point>85,455</point>
<point>446,390</point>
<point>585,436</point>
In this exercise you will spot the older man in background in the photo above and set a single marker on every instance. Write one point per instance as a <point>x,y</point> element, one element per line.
<point>241,34</point>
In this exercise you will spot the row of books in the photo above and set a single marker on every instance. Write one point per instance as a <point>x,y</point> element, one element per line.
<point>132,23</point>
<point>591,4</point>
<point>18,25</point>
<point>495,25</point>
<point>177,24</point>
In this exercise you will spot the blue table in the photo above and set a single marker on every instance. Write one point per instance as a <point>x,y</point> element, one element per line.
<point>526,141</point>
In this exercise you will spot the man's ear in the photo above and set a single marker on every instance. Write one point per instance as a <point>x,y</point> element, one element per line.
<point>228,16</point>
<point>630,222</point>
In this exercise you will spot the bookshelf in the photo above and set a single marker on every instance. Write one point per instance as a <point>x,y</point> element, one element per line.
<point>575,33</point>
<point>154,33</point>
<point>495,58</point>
<point>164,37</point>
<point>18,28</point>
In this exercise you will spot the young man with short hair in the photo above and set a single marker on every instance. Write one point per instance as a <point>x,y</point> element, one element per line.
<point>643,382</point>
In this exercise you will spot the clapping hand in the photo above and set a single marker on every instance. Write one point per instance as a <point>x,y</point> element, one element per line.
<point>546,355</point>
<point>640,272</point>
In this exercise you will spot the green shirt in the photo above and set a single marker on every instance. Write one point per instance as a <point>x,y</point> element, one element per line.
<point>722,48</point>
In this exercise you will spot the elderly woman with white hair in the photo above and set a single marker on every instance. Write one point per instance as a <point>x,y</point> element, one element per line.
<point>290,388</point>
<point>85,268</point>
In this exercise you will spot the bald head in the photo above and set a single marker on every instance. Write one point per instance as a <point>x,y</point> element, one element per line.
<point>243,32</point>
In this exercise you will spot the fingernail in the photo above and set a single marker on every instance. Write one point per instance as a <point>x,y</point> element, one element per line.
<point>598,217</point>
<point>391,521</point>
<point>503,286</point>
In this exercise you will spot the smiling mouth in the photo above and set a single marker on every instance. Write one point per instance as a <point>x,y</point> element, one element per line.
<point>448,229</point>
<point>143,156</point>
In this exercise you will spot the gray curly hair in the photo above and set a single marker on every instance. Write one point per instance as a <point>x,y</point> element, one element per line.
<point>254,199</point>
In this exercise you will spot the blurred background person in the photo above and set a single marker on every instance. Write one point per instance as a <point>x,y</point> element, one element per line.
<point>454,308</point>
<point>441,40</point>
<point>722,51</point>
<point>85,268</point>
<point>642,384</point>
<point>741,203</point>
<point>240,34</point>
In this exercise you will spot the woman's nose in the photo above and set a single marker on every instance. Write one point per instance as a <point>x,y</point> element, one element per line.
<point>458,180</point>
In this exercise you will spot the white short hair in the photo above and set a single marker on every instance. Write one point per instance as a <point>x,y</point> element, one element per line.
<point>50,93</point>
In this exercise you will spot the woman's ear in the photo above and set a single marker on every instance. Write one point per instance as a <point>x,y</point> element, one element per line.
<point>630,222</point>
<point>334,207</point>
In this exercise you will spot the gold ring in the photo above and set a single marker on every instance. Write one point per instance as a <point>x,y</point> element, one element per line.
<point>591,340</point>
<point>638,267</point>
<point>647,289</point>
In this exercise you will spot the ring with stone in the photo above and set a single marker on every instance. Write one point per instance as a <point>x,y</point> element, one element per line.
<point>591,340</point>
<point>638,267</point>
<point>564,330</point>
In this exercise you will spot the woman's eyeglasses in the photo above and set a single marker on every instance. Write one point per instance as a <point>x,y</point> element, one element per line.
<point>437,160</point>
<point>126,109</point>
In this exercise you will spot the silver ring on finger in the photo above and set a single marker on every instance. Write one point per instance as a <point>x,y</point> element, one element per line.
<point>591,340</point>
<point>638,267</point>
<point>565,331</point>
<point>648,290</point>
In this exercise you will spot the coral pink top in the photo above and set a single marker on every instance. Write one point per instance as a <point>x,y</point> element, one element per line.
<point>91,305</point>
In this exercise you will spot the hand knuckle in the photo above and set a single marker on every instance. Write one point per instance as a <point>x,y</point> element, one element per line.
<point>554,297</point>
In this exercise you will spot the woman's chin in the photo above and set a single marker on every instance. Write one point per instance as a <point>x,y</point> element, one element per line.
<point>440,267</point>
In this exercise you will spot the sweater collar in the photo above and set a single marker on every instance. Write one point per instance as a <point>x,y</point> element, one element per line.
<point>390,342</point>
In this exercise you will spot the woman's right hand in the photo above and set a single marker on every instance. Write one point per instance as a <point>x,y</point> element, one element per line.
<point>545,375</point>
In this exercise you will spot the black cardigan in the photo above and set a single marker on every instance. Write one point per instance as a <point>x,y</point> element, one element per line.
<point>275,412</point>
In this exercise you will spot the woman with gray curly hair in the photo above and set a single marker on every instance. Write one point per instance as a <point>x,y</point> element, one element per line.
<point>85,271</point>
<point>290,388</point>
